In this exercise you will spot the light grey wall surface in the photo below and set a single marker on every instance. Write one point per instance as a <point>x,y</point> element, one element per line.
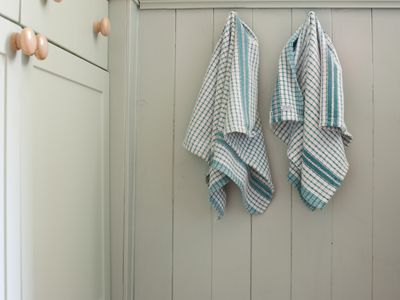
<point>122,65</point>
<point>349,250</point>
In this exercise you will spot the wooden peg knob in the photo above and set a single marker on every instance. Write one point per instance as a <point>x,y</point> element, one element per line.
<point>42,47</point>
<point>103,26</point>
<point>58,1</point>
<point>25,41</point>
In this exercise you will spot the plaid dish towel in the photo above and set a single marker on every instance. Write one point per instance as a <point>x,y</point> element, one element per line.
<point>307,113</point>
<point>225,129</point>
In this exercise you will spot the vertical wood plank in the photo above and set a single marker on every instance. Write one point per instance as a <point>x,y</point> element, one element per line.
<point>271,232</point>
<point>119,113</point>
<point>352,205</point>
<point>153,207</point>
<point>232,234</point>
<point>311,231</point>
<point>130,188</point>
<point>192,212</point>
<point>386,206</point>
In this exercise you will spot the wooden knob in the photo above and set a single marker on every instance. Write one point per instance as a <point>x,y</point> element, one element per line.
<point>58,1</point>
<point>103,26</point>
<point>42,47</point>
<point>25,41</point>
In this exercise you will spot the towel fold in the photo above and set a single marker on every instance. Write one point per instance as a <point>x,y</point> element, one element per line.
<point>225,129</point>
<point>307,113</point>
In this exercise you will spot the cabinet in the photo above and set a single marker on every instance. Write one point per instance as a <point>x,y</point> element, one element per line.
<point>55,190</point>
<point>69,24</point>
<point>10,9</point>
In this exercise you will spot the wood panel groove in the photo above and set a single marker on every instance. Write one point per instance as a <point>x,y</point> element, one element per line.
<point>251,217</point>
<point>373,152</point>
<point>173,162</point>
<point>211,209</point>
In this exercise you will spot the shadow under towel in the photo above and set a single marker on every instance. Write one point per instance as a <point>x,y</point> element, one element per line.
<point>225,129</point>
<point>307,113</point>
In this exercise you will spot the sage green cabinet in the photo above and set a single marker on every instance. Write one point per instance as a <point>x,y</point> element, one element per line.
<point>54,176</point>
<point>10,9</point>
<point>69,23</point>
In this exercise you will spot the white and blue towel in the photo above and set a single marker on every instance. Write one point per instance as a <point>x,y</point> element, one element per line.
<point>225,129</point>
<point>307,113</point>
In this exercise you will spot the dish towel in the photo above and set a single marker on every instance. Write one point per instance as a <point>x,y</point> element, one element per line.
<point>225,129</point>
<point>307,113</point>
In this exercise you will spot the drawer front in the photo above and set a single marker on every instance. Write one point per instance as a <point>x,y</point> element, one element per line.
<point>10,9</point>
<point>70,25</point>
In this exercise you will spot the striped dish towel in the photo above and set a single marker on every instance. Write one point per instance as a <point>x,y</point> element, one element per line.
<point>225,129</point>
<point>307,113</point>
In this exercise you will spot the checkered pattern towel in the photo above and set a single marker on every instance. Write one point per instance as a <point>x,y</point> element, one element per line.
<point>307,113</point>
<point>225,129</point>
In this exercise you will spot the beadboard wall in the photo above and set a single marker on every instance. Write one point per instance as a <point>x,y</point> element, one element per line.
<point>350,250</point>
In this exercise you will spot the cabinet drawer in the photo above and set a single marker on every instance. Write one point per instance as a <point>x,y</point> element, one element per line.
<point>70,25</point>
<point>10,9</point>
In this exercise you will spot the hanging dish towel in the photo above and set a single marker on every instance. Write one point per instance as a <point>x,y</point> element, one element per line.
<point>307,113</point>
<point>225,129</point>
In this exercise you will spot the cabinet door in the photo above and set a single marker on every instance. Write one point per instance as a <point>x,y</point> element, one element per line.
<point>64,188</point>
<point>69,24</point>
<point>10,9</point>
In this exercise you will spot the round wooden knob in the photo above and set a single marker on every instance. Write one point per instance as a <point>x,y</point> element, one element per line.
<point>103,26</point>
<point>42,47</point>
<point>24,41</point>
